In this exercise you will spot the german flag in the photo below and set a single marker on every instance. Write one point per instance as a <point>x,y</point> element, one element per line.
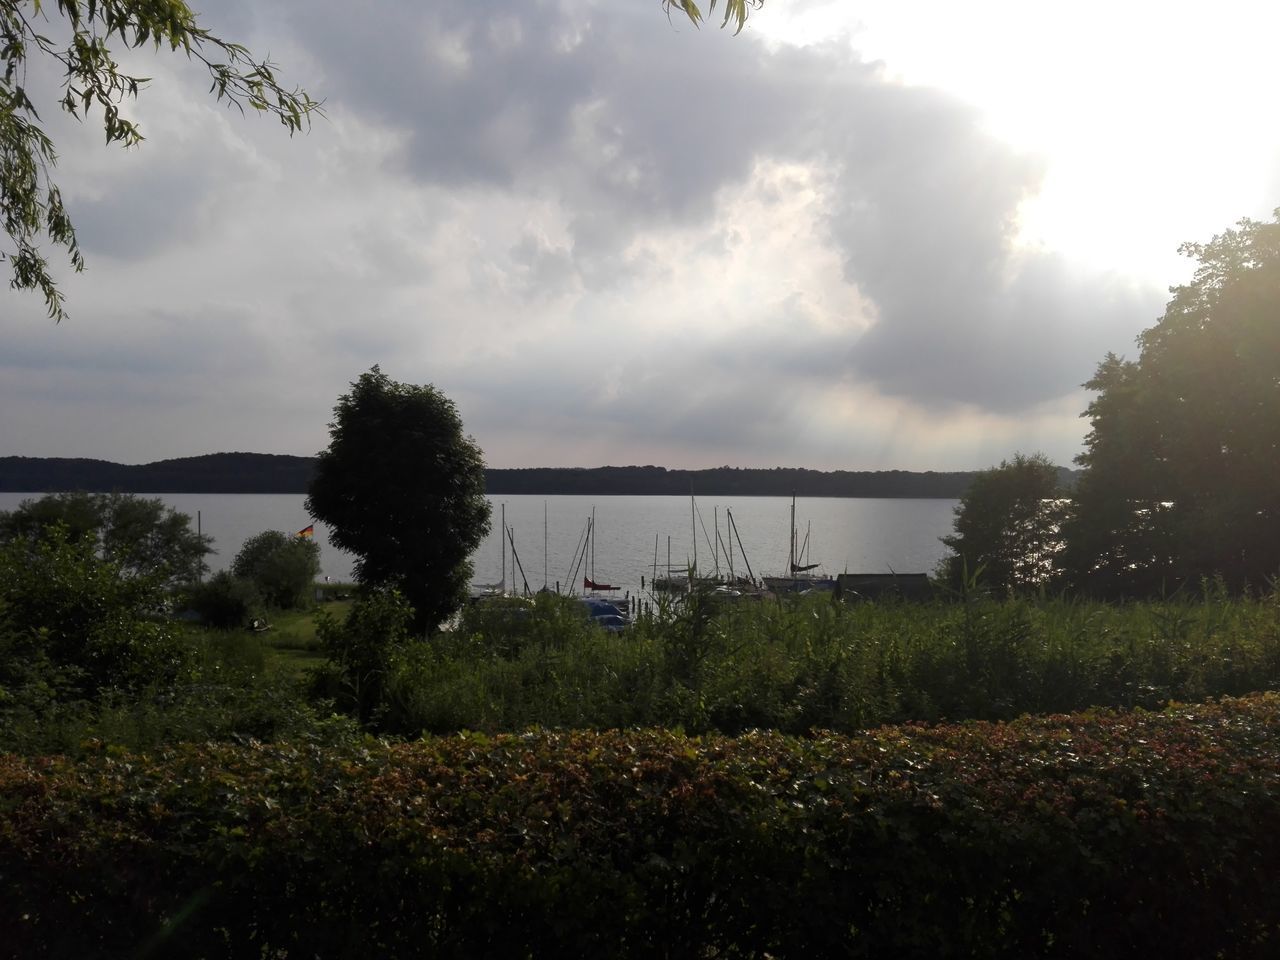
<point>308,531</point>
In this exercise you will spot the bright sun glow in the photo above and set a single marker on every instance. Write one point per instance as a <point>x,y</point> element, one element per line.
<point>1154,119</point>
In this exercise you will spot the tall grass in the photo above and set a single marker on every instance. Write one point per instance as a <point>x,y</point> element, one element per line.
<point>815,664</point>
<point>231,689</point>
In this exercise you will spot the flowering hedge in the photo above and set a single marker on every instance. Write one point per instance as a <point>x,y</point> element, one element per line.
<point>1098,834</point>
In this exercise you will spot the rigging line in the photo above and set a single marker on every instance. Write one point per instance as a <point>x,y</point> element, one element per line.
<point>511,535</point>
<point>572,577</point>
<point>734,527</point>
<point>705,536</point>
<point>804,547</point>
<point>728,552</point>
<point>582,558</point>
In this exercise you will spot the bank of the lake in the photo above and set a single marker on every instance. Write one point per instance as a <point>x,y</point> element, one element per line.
<point>845,534</point>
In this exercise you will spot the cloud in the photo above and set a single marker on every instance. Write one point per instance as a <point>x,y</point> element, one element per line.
<point>630,124</point>
<point>606,235</point>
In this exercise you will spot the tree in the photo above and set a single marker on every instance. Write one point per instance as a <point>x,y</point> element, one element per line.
<point>735,11</point>
<point>1184,451</point>
<point>1007,526</point>
<point>78,622</point>
<point>281,567</point>
<point>402,488</point>
<point>141,536</point>
<point>31,204</point>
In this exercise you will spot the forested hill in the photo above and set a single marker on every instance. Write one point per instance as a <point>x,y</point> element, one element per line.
<point>727,481</point>
<point>213,473</point>
<point>269,473</point>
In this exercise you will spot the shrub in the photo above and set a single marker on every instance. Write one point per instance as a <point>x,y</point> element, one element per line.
<point>225,601</point>
<point>76,621</point>
<point>281,568</point>
<point>363,649</point>
<point>1096,835</point>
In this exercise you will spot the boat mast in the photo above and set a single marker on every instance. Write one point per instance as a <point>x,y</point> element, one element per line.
<point>791,550</point>
<point>733,526</point>
<point>502,586</point>
<point>655,561</point>
<point>715,520</point>
<point>515,562</point>
<point>693,530</point>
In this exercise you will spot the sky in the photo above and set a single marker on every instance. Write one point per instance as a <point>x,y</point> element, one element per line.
<point>857,235</point>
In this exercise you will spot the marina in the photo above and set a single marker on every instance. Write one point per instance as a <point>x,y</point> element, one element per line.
<point>854,535</point>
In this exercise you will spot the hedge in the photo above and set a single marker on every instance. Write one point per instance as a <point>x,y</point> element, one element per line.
<point>1101,834</point>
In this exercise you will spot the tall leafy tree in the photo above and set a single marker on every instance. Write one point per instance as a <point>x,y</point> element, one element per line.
<point>1007,526</point>
<point>82,37</point>
<point>141,536</point>
<point>281,567</point>
<point>1182,460</point>
<point>402,488</point>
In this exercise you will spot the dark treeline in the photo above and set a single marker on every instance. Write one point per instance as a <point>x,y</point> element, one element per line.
<point>270,473</point>
<point>728,481</point>
<point>213,473</point>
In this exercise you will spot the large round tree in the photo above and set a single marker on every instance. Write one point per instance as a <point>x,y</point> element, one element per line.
<point>1182,461</point>
<point>402,487</point>
<point>1006,527</point>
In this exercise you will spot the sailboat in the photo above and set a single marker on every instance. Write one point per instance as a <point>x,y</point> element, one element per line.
<point>799,577</point>
<point>585,560</point>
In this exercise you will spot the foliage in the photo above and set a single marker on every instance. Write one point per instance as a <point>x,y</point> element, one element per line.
<point>402,488</point>
<point>31,204</point>
<point>814,665</point>
<point>1181,460</point>
<point>225,601</point>
<point>73,622</point>
<point>1100,835</point>
<point>141,537</point>
<point>282,568</point>
<point>229,694</point>
<point>735,11</point>
<point>1007,526</point>
<point>363,649</point>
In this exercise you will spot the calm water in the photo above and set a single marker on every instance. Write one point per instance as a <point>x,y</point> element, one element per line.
<point>864,536</point>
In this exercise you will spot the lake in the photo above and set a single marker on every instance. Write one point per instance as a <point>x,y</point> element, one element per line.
<point>857,535</point>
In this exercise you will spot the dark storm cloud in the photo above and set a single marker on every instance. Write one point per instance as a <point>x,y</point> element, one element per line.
<point>630,122</point>
<point>628,119</point>
<point>963,315</point>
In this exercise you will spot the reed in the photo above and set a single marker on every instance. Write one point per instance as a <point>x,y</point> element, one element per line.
<point>813,664</point>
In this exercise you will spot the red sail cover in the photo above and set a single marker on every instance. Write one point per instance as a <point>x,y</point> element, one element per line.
<point>588,584</point>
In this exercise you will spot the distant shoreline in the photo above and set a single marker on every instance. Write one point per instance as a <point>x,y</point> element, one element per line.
<point>277,473</point>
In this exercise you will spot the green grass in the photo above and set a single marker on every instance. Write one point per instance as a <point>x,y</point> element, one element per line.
<point>814,664</point>
<point>290,644</point>
<point>795,667</point>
